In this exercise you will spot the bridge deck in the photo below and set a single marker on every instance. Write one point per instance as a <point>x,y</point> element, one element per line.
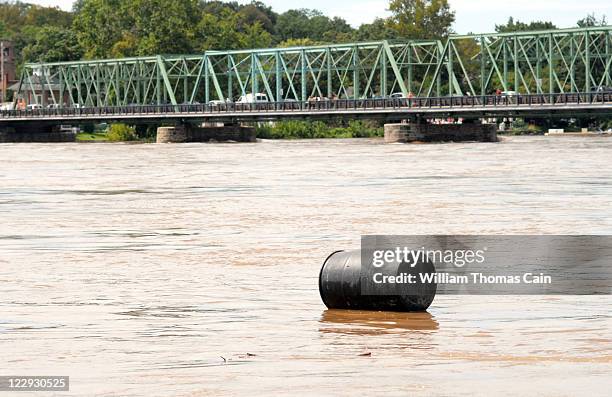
<point>523,105</point>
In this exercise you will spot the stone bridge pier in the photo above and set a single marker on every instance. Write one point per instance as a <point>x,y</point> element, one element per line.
<point>415,131</point>
<point>193,133</point>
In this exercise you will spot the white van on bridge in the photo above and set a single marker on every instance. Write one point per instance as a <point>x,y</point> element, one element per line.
<point>253,98</point>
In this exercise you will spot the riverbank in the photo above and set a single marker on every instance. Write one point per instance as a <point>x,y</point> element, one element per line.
<point>520,126</point>
<point>292,129</point>
<point>92,137</point>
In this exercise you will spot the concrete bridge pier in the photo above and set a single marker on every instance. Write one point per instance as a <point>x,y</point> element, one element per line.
<point>193,133</point>
<point>173,134</point>
<point>397,132</point>
<point>469,130</point>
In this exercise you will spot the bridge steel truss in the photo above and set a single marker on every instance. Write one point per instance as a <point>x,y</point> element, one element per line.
<point>542,62</point>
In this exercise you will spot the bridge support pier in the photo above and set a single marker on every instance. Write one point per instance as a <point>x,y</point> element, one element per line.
<point>174,134</point>
<point>397,133</point>
<point>35,133</point>
<point>423,132</point>
<point>192,133</point>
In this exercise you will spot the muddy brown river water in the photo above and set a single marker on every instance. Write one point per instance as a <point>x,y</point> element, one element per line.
<point>191,269</point>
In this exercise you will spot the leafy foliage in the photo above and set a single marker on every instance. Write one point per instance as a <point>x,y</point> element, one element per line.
<point>257,12</point>
<point>119,28</point>
<point>229,30</point>
<point>298,43</point>
<point>421,19</point>
<point>591,20</point>
<point>297,129</point>
<point>98,26</point>
<point>53,44</point>
<point>380,29</point>
<point>26,26</point>
<point>136,27</point>
<point>518,26</point>
<point>121,133</point>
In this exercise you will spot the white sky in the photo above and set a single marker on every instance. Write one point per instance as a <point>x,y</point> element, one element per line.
<point>477,16</point>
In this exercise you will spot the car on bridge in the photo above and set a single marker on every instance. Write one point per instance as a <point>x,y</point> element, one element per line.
<point>7,106</point>
<point>401,95</point>
<point>253,98</point>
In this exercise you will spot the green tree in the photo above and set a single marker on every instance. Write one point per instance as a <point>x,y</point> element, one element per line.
<point>336,30</point>
<point>127,46</point>
<point>421,19</point>
<point>216,7</point>
<point>218,32</point>
<point>518,26</point>
<point>312,24</point>
<point>121,133</point>
<point>136,27</point>
<point>162,26</point>
<point>377,30</point>
<point>298,43</point>
<point>294,24</point>
<point>51,16</point>
<point>255,36</point>
<point>229,30</point>
<point>21,23</point>
<point>13,16</point>
<point>53,44</point>
<point>591,20</point>
<point>257,12</point>
<point>16,17</point>
<point>99,24</point>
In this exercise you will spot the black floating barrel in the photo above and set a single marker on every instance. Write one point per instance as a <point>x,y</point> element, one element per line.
<point>347,283</point>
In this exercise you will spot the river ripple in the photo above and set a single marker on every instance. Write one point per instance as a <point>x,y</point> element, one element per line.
<point>191,269</point>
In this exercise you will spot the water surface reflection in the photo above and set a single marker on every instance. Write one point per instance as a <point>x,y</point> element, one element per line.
<point>357,321</point>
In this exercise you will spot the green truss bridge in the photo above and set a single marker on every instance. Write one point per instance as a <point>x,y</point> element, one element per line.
<point>539,73</point>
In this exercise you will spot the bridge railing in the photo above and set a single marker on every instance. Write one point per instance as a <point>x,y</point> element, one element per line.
<point>339,105</point>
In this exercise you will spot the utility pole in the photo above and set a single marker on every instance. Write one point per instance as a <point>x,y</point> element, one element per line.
<point>2,70</point>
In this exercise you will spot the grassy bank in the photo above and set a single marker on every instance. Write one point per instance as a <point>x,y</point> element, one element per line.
<point>297,129</point>
<point>118,133</point>
<point>92,137</point>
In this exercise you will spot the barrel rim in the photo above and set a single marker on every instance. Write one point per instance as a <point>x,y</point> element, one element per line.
<point>321,274</point>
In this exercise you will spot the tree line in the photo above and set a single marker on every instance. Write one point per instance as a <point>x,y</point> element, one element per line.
<point>122,28</point>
